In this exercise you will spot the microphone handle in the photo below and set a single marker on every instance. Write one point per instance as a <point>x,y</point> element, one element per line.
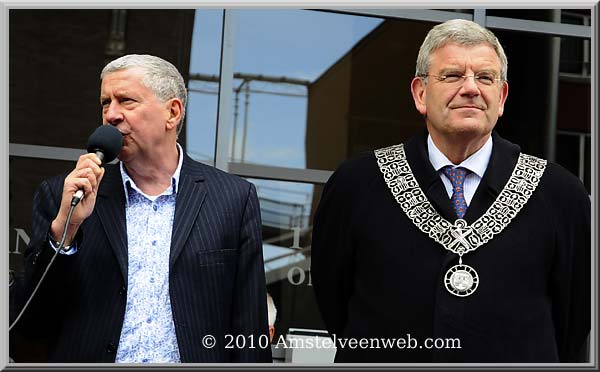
<point>100,154</point>
<point>79,194</point>
<point>77,197</point>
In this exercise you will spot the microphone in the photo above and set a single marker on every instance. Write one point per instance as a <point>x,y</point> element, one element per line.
<point>106,142</point>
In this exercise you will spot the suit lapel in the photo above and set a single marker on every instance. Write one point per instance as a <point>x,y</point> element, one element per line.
<point>190,197</point>
<point>428,179</point>
<point>110,208</point>
<point>502,163</point>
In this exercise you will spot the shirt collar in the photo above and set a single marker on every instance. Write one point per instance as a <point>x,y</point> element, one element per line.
<point>174,178</point>
<point>476,163</point>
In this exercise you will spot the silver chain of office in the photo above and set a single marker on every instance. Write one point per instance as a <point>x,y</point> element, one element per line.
<point>459,237</point>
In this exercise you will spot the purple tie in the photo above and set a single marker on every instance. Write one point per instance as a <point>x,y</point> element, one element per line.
<point>457,177</point>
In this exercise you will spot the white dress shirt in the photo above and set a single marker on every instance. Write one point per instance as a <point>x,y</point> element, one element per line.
<point>477,163</point>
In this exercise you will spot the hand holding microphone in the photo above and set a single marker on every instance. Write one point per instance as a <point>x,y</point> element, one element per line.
<point>81,185</point>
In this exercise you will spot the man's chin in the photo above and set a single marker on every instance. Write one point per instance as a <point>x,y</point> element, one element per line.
<point>468,133</point>
<point>124,155</point>
<point>470,126</point>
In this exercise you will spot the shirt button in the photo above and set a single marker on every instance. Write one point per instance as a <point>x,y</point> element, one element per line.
<point>155,207</point>
<point>111,347</point>
<point>144,360</point>
<point>151,280</point>
<point>154,242</point>
<point>149,320</point>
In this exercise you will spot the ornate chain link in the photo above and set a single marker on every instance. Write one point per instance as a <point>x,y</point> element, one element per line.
<point>459,237</point>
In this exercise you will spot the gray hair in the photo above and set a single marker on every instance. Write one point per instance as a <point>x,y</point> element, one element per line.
<point>461,32</point>
<point>160,76</point>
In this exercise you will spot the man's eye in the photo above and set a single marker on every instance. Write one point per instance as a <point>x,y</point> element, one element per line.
<point>452,77</point>
<point>485,79</point>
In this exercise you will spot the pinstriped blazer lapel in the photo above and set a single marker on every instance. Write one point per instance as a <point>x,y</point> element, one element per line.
<point>110,207</point>
<point>190,197</point>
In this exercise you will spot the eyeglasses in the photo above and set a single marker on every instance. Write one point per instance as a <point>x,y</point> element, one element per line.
<point>483,78</point>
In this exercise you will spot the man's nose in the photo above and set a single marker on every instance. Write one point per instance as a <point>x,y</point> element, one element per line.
<point>469,86</point>
<point>113,114</point>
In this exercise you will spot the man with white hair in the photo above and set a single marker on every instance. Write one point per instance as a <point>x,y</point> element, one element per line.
<point>455,242</point>
<point>164,256</point>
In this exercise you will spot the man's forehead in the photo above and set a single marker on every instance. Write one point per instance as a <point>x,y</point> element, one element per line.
<point>122,80</point>
<point>464,47</point>
<point>124,90</point>
<point>454,53</point>
<point>129,73</point>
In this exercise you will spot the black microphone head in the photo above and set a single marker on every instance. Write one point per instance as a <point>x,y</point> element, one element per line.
<point>108,140</point>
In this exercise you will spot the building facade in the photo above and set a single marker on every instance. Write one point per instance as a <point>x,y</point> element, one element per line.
<point>281,97</point>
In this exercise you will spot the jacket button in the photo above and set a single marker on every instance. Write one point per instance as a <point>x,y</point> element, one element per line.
<point>111,347</point>
<point>122,291</point>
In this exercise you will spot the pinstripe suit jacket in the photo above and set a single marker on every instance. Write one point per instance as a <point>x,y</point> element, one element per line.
<point>216,274</point>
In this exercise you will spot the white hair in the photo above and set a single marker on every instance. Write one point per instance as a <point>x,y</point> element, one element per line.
<point>461,32</point>
<point>159,75</point>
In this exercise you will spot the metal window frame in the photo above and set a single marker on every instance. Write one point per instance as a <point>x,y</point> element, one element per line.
<point>225,91</point>
<point>581,138</point>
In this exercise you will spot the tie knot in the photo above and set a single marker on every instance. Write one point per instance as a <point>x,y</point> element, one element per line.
<point>456,175</point>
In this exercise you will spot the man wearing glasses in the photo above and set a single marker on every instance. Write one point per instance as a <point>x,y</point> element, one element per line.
<point>454,246</point>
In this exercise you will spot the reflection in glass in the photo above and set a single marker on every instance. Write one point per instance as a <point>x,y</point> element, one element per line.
<point>203,86</point>
<point>575,52</point>
<point>279,54</point>
<point>286,212</point>
<point>285,209</point>
<point>267,115</point>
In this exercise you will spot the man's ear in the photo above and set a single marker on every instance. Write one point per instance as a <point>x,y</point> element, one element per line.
<point>417,88</point>
<point>503,96</point>
<point>175,109</point>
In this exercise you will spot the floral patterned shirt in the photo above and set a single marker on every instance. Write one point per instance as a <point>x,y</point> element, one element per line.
<point>148,334</point>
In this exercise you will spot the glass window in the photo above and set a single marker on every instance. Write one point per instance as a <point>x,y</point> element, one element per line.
<point>287,210</point>
<point>573,153</point>
<point>574,56</point>
<point>575,52</point>
<point>203,86</point>
<point>313,88</point>
<point>567,150</point>
<point>545,15</point>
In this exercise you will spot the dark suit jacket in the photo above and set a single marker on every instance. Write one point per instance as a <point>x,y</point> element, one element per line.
<point>216,280</point>
<point>375,274</point>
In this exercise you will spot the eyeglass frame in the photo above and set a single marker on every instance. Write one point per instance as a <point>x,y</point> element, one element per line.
<point>463,78</point>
